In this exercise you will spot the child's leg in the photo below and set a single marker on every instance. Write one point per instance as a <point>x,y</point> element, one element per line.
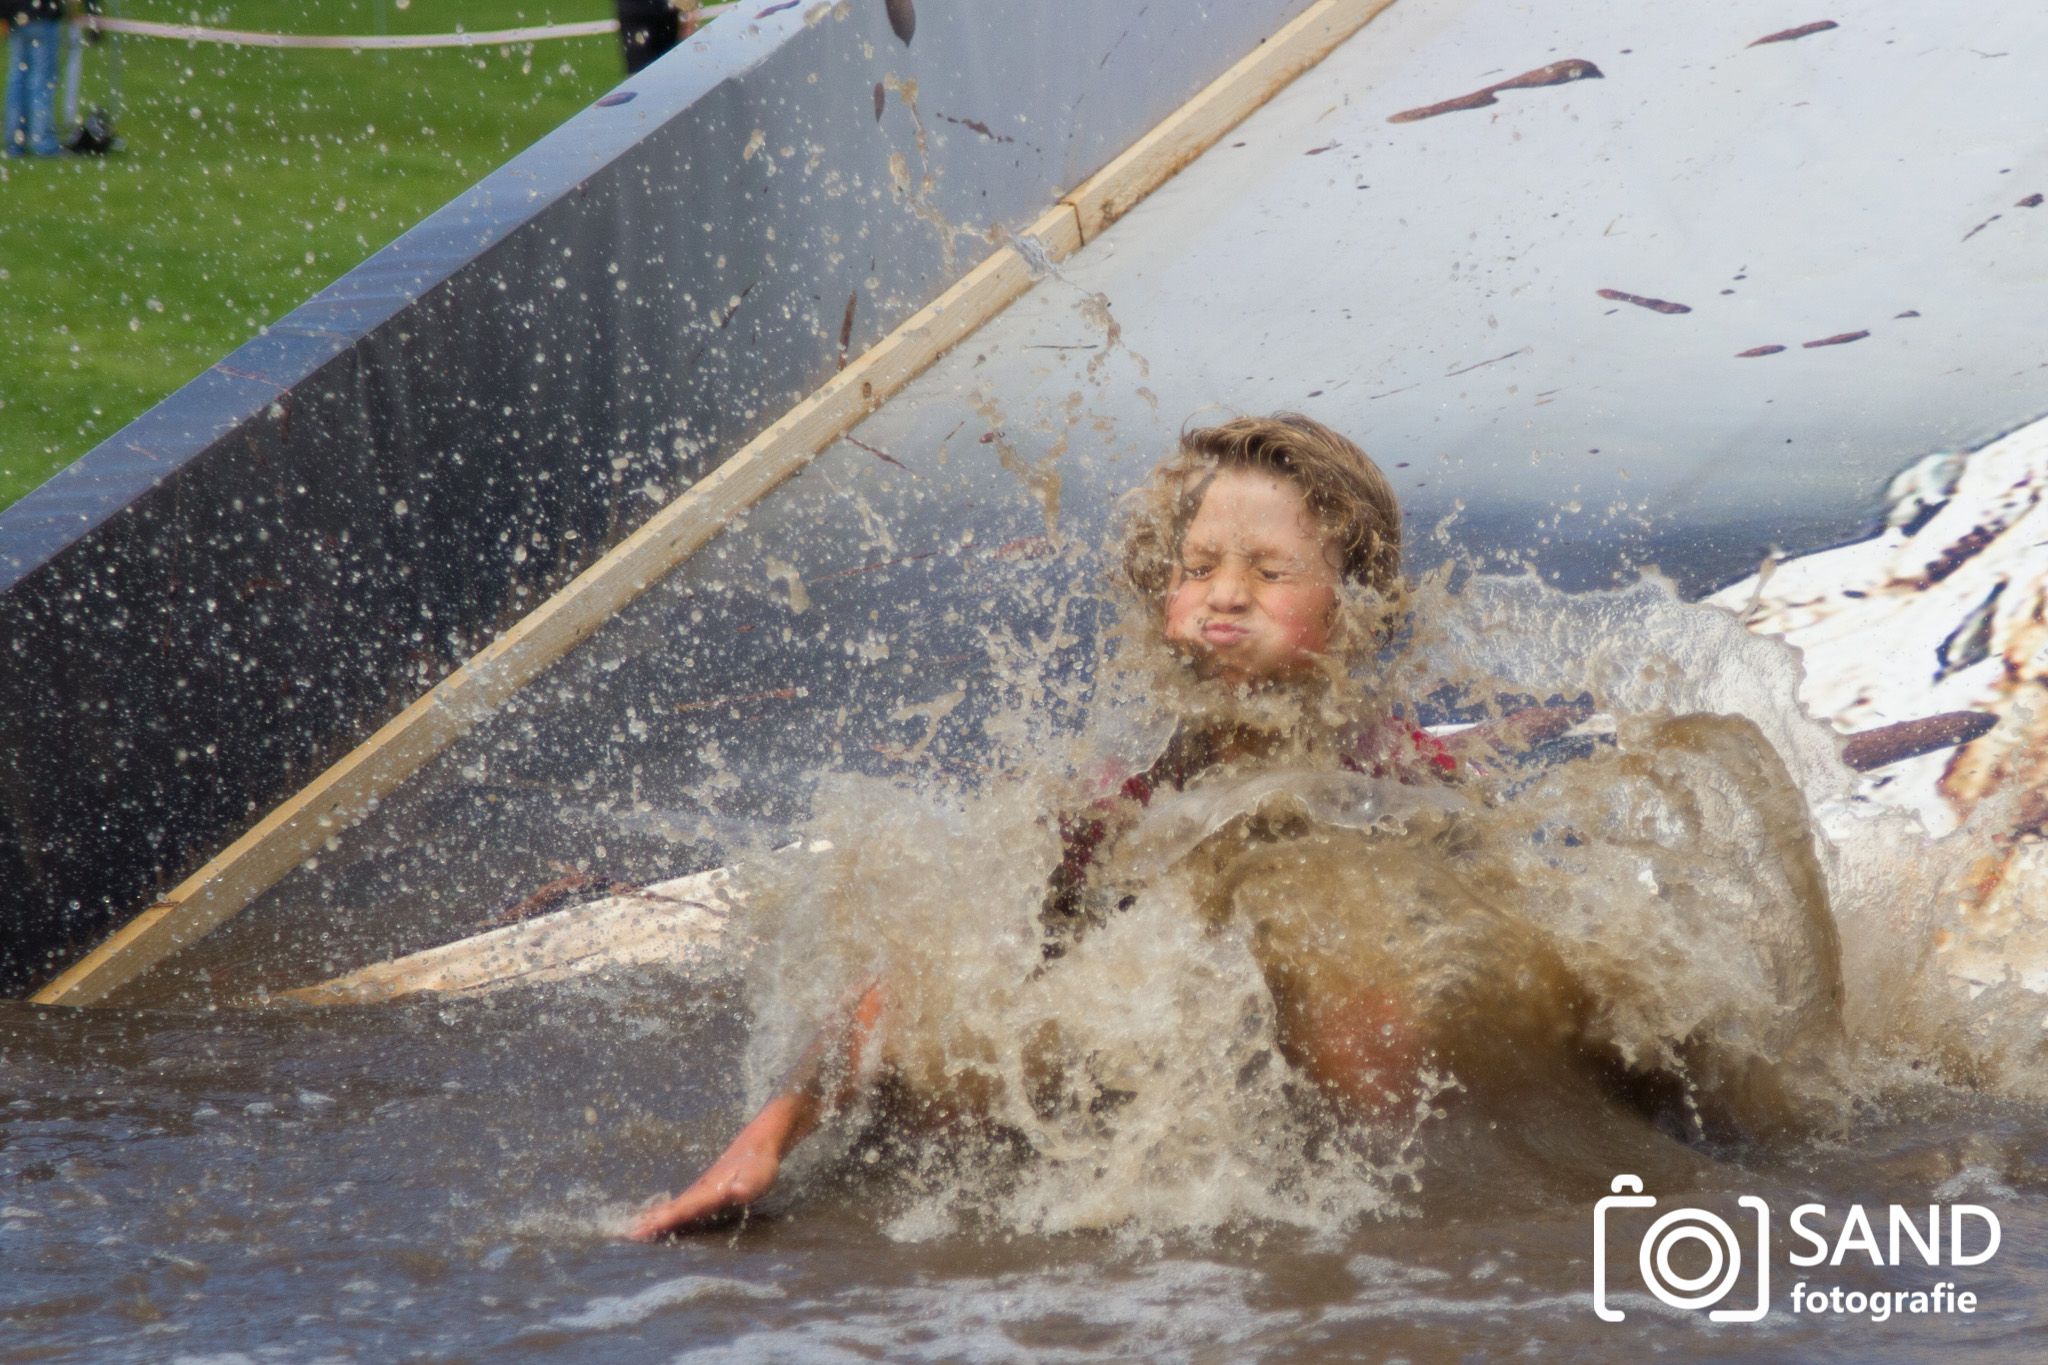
<point>17,92</point>
<point>1364,1048</point>
<point>747,1168</point>
<point>1386,957</point>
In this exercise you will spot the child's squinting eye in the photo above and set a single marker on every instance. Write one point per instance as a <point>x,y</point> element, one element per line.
<point>1195,570</point>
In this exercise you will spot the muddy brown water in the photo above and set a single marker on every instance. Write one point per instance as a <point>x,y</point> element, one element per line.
<point>443,1182</point>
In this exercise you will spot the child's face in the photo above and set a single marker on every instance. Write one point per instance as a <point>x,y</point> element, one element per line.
<point>1255,590</point>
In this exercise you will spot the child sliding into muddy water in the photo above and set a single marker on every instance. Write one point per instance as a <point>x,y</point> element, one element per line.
<point>1264,563</point>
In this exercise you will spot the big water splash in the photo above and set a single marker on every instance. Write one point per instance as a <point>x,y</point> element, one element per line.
<point>1685,929</point>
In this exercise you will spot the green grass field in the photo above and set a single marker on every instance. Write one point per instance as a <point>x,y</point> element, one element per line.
<point>251,178</point>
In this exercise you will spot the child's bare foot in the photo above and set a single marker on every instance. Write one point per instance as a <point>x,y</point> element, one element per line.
<point>734,1181</point>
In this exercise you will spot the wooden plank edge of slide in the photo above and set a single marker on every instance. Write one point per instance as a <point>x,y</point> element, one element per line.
<point>1190,130</point>
<point>350,789</point>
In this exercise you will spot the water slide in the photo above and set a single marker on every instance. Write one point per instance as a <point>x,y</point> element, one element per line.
<point>1583,378</point>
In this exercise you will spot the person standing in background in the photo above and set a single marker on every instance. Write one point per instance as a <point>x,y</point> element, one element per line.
<point>33,32</point>
<point>648,28</point>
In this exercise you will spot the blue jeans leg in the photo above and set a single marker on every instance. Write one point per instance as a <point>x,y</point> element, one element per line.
<point>17,92</point>
<point>32,87</point>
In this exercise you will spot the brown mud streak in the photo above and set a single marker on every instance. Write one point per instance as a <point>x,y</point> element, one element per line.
<point>1981,226</point>
<point>1478,365</point>
<point>1966,547</point>
<point>1786,35</point>
<point>1757,351</point>
<point>573,886</point>
<point>1557,73</point>
<point>878,453</point>
<point>975,125</point>
<point>771,694</point>
<point>1838,339</point>
<point>1654,305</point>
<point>846,326</point>
<point>1889,744</point>
<point>902,19</point>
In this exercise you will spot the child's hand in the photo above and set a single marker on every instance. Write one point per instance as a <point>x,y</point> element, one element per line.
<point>747,1169</point>
<point>735,1180</point>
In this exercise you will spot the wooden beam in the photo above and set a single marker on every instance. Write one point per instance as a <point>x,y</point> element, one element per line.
<point>668,923</point>
<point>1189,130</point>
<point>347,791</point>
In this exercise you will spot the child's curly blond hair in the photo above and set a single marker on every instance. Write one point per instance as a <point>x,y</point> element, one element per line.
<point>1346,493</point>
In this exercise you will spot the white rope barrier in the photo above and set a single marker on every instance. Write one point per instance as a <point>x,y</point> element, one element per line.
<point>197,33</point>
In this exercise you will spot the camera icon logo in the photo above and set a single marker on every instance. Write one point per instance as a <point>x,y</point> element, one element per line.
<point>1673,1228</point>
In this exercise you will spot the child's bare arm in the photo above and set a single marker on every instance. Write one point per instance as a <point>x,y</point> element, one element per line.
<point>748,1167</point>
